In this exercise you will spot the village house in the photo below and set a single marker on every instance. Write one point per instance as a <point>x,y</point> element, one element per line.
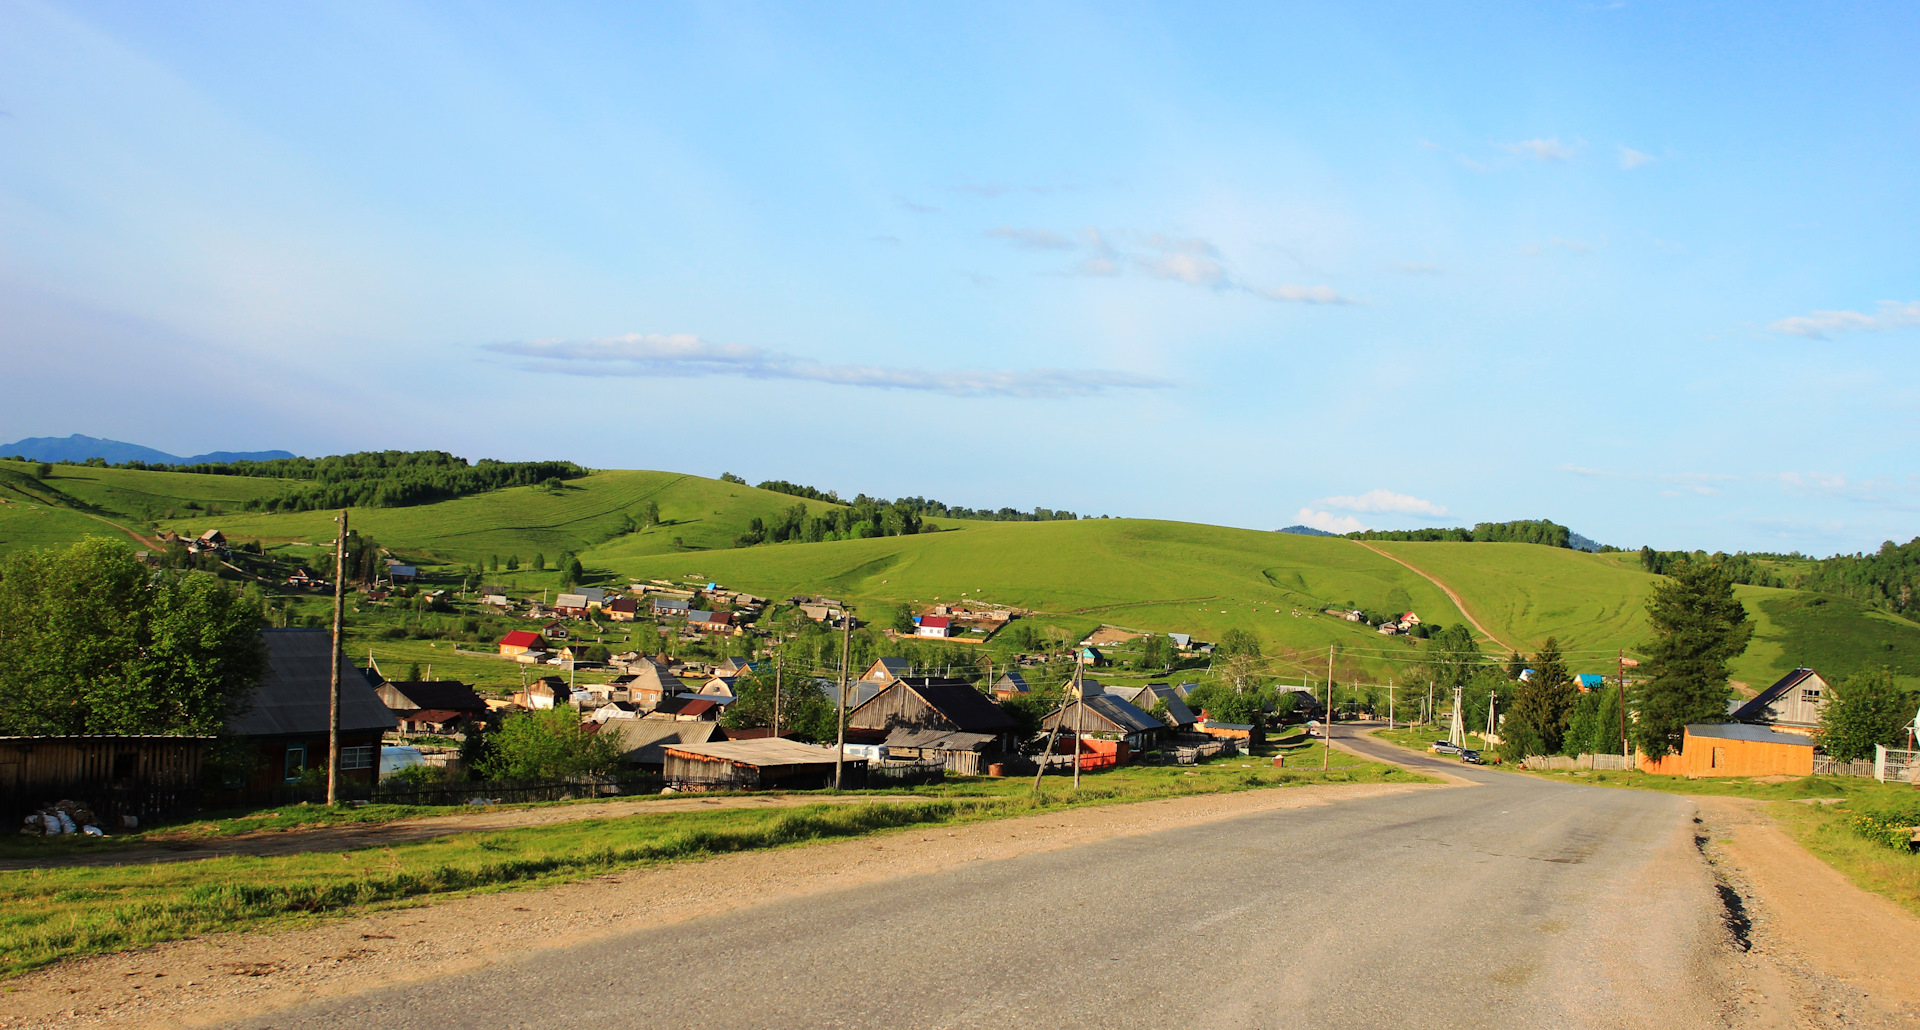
<point>596,597</point>
<point>649,682</point>
<point>520,642</point>
<point>545,693</point>
<point>1010,685</point>
<point>683,708</point>
<point>401,573</point>
<point>285,719</point>
<point>1791,705</point>
<point>431,706</point>
<point>643,743</point>
<point>1107,717</point>
<point>720,623</point>
<point>555,630</point>
<point>571,606</point>
<point>669,606</point>
<point>622,609</point>
<point>733,667</point>
<point>936,719</point>
<point>886,670</point>
<point>933,626</point>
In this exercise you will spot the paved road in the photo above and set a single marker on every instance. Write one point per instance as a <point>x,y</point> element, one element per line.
<point>1516,902</point>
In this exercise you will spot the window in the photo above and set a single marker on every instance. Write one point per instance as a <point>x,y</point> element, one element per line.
<point>360,757</point>
<point>1810,694</point>
<point>296,764</point>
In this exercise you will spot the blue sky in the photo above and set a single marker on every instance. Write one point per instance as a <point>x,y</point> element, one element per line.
<point>1646,270</point>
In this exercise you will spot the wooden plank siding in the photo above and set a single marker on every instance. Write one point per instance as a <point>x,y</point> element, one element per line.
<point>144,776</point>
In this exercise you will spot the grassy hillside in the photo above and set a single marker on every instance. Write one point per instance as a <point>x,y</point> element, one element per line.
<point>1160,576</point>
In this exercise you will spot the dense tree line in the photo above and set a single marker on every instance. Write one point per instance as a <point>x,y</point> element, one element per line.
<point>1885,579</point>
<point>380,479</point>
<point>923,507</point>
<point>864,518</point>
<point>1740,568</point>
<point>1521,531</point>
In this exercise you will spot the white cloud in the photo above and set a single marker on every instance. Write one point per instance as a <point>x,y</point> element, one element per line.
<point>1305,295</point>
<point>1820,325</point>
<point>647,355</point>
<point>1192,269</point>
<point>1814,482</point>
<point>1330,522</point>
<point>1032,239</point>
<point>1385,501</point>
<point>1631,158</point>
<point>1539,149</point>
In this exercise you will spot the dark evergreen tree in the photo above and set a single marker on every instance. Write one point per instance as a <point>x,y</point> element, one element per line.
<point>1698,627</point>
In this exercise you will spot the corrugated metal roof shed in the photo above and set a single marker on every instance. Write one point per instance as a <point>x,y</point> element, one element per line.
<point>1742,731</point>
<point>761,753</point>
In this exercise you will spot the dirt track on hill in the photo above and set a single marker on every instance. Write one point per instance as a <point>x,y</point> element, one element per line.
<point>1458,601</point>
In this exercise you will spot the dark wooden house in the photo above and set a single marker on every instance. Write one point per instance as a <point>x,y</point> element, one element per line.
<point>283,723</point>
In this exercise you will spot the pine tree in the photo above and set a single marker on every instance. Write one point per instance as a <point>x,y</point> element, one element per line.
<point>1698,627</point>
<point>1538,718</point>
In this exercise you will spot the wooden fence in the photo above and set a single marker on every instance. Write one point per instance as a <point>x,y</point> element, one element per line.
<point>1830,767</point>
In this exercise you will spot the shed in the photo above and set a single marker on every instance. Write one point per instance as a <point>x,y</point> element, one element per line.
<point>1736,749</point>
<point>146,777</point>
<point>643,742</point>
<point>762,764</point>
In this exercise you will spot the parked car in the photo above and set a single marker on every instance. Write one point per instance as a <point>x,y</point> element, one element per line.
<point>1470,756</point>
<point>1446,747</point>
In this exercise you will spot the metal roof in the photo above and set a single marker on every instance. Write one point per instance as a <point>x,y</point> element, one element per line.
<point>937,740</point>
<point>293,697</point>
<point>645,741</point>
<point>761,753</point>
<point>520,638</point>
<point>1742,731</point>
<point>1756,708</point>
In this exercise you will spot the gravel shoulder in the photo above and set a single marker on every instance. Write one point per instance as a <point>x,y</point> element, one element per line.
<point>1825,953</point>
<point>231,976</point>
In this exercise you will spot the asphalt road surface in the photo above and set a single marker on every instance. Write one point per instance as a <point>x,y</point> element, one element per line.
<point>1515,902</point>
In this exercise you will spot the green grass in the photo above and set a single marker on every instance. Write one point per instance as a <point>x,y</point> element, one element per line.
<point>1157,576</point>
<point>50,914</point>
<point>1823,830</point>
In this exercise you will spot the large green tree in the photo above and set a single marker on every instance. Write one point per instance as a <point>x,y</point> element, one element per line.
<point>546,745</point>
<point>1454,656</point>
<point>1865,709</point>
<point>1698,627</point>
<point>91,641</point>
<point>1536,724</point>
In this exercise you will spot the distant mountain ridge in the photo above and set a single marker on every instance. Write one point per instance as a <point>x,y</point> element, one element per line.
<point>118,452</point>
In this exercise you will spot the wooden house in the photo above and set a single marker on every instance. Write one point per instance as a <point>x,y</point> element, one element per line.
<point>521,641</point>
<point>555,630</point>
<point>1178,717</point>
<point>933,626</point>
<point>1109,718</point>
<point>1792,704</point>
<point>719,623</point>
<point>1736,749</point>
<point>764,764</point>
<point>669,606</point>
<point>284,719</point>
<point>547,692</point>
<point>886,670</point>
<point>622,609</point>
<point>431,706</point>
<point>929,703</point>
<point>571,606</point>
<point>643,743</point>
<point>1010,685</point>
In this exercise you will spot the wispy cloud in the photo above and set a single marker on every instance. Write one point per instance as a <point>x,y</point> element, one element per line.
<point>1385,501</point>
<point>1539,149</point>
<point>1822,325</point>
<point>917,208</point>
<point>1031,239</point>
<point>647,355</point>
<point>1328,521</point>
<point>1190,260</point>
<point>1631,158</point>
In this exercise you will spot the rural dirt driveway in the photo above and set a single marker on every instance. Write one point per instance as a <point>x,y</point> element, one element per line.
<point>1508,902</point>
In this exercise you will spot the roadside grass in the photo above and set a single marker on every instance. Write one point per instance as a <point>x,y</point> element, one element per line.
<point>1871,866</point>
<point>1418,738</point>
<point>49,914</point>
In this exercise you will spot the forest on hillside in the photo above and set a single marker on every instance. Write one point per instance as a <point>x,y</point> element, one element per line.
<point>379,479</point>
<point>921,507</point>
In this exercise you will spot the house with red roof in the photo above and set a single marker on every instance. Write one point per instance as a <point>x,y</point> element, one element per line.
<point>933,626</point>
<point>520,641</point>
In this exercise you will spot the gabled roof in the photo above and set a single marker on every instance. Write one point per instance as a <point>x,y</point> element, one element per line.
<point>1177,711</point>
<point>886,669</point>
<point>451,695</point>
<point>1114,710</point>
<point>935,621</point>
<point>969,710</point>
<point>1756,709</point>
<point>938,740</point>
<point>675,603</point>
<point>1753,734</point>
<point>645,741</point>
<point>592,594</point>
<point>293,697</point>
<point>520,638</point>
<point>1012,682</point>
<point>762,753</point>
<point>570,600</point>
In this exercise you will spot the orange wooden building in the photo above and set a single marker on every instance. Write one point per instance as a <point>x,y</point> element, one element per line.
<point>1736,749</point>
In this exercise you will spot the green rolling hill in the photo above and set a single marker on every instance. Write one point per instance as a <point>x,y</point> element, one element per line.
<point>1148,575</point>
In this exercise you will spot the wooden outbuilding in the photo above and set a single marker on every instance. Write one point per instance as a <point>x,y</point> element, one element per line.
<point>931,703</point>
<point>764,764</point>
<point>1736,749</point>
<point>145,777</point>
<point>1792,704</point>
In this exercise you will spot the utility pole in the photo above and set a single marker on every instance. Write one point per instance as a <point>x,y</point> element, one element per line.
<point>1493,700</point>
<point>779,660</point>
<point>1389,702</point>
<point>1622,658</point>
<point>1326,756</point>
<point>333,696</point>
<point>840,745</point>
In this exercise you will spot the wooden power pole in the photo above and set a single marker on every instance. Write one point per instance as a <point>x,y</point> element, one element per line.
<point>333,697</point>
<point>1079,718</point>
<point>840,745</point>
<point>1326,732</point>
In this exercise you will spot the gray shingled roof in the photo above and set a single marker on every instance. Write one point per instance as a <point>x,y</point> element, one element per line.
<point>1742,731</point>
<point>293,697</point>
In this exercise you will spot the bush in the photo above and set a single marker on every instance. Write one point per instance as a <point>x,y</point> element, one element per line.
<point>421,775</point>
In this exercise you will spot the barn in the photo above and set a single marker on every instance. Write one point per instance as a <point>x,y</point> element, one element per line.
<point>764,764</point>
<point>1736,749</point>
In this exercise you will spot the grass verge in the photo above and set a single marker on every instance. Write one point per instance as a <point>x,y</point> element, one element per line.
<point>1825,831</point>
<point>54,913</point>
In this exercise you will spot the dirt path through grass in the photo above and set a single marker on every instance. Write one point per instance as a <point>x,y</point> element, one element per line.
<point>352,836</point>
<point>1458,601</point>
<point>227,976</point>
